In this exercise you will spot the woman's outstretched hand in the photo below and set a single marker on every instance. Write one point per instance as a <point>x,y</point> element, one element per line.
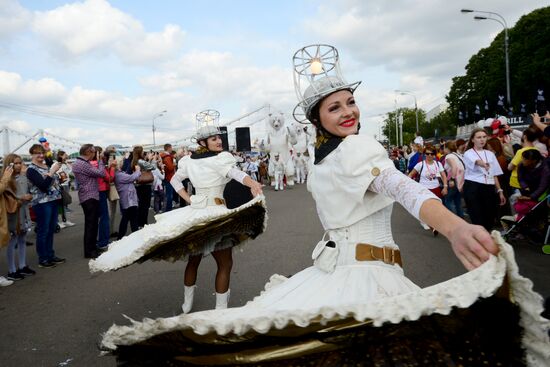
<point>472,244</point>
<point>256,188</point>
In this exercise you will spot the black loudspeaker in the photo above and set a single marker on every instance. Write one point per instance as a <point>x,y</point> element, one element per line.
<point>242,135</point>
<point>225,142</point>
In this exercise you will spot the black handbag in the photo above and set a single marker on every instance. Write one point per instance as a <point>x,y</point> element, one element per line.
<point>66,198</point>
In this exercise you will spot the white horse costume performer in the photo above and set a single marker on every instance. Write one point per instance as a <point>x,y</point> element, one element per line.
<point>354,305</point>
<point>279,141</point>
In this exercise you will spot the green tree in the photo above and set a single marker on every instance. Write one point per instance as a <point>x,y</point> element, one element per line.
<point>485,78</point>
<point>443,123</point>
<point>409,125</point>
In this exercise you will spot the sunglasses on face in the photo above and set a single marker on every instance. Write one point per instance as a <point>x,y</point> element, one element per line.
<point>429,153</point>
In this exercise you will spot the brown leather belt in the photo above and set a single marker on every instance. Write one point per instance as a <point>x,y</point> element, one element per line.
<point>219,201</point>
<point>366,252</point>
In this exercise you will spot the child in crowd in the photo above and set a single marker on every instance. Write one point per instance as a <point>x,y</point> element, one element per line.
<point>18,222</point>
<point>158,188</point>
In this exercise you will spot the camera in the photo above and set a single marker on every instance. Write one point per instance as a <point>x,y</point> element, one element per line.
<point>529,120</point>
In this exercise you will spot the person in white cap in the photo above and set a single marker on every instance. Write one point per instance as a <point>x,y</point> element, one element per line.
<point>278,172</point>
<point>186,233</point>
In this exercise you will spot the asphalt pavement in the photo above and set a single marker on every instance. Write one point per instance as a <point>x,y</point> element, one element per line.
<point>56,317</point>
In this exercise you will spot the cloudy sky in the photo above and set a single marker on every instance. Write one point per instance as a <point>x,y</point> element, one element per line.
<point>99,71</point>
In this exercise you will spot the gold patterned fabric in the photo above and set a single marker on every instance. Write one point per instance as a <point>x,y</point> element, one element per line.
<point>485,334</point>
<point>238,227</point>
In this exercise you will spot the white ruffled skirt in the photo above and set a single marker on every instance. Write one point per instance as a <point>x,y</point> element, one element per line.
<point>312,300</point>
<point>186,231</point>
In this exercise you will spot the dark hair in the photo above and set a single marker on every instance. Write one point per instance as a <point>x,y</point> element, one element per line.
<point>137,154</point>
<point>459,142</point>
<point>167,145</point>
<point>430,148</point>
<point>496,145</point>
<point>531,154</point>
<point>530,134</point>
<point>84,149</point>
<point>36,147</point>
<point>315,117</point>
<point>451,145</point>
<point>60,154</point>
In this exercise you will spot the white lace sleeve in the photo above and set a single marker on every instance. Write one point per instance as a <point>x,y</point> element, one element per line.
<point>236,174</point>
<point>402,189</point>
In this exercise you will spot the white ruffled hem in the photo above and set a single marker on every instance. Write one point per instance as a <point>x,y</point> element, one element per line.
<point>169,225</point>
<point>460,292</point>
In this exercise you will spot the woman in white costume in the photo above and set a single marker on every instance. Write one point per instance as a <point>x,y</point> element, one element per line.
<point>204,227</point>
<point>357,279</point>
<point>209,169</point>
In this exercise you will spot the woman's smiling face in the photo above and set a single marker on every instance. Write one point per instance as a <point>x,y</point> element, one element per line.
<point>339,114</point>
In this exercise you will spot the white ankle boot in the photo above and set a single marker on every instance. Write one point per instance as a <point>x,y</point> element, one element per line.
<point>222,299</point>
<point>189,293</point>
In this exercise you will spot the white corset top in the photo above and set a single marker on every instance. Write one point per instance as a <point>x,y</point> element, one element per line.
<point>374,229</point>
<point>209,194</point>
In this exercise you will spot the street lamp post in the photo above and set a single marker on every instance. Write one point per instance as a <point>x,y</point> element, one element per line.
<point>154,129</point>
<point>502,22</point>
<point>404,92</point>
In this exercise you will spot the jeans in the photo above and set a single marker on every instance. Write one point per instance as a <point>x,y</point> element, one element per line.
<point>158,200</point>
<point>46,221</point>
<point>91,224</point>
<point>19,241</point>
<point>104,227</point>
<point>169,190</point>
<point>453,201</point>
<point>128,215</point>
<point>113,205</point>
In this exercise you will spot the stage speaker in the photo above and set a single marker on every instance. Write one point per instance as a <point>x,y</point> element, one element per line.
<point>225,142</point>
<point>242,136</point>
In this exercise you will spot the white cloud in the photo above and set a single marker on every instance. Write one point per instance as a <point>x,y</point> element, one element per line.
<point>38,92</point>
<point>220,77</point>
<point>425,43</point>
<point>13,18</point>
<point>167,81</point>
<point>94,26</point>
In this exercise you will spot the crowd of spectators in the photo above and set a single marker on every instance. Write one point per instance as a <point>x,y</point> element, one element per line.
<point>494,178</point>
<point>114,189</point>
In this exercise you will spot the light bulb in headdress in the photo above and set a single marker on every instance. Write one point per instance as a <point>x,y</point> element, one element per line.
<point>316,66</point>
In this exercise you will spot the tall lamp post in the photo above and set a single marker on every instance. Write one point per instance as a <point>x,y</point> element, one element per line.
<point>154,129</point>
<point>502,22</point>
<point>404,92</point>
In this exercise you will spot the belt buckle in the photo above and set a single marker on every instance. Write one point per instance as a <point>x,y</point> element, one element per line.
<point>389,255</point>
<point>386,258</point>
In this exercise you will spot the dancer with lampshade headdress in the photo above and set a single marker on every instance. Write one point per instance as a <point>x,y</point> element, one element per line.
<point>204,227</point>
